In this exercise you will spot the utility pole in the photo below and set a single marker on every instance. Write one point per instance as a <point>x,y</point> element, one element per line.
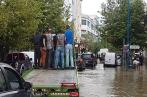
<point>129,34</point>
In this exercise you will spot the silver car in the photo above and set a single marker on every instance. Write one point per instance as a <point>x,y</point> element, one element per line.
<point>12,84</point>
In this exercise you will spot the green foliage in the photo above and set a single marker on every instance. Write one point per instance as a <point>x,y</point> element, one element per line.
<point>95,44</point>
<point>55,14</point>
<point>90,43</point>
<point>19,20</point>
<point>116,16</point>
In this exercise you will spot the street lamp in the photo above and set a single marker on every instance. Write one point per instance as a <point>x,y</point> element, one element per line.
<point>129,33</point>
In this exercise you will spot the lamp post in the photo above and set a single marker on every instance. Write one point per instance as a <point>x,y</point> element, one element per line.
<point>129,34</point>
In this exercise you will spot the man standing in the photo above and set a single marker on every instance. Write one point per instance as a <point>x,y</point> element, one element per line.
<point>54,49</point>
<point>69,40</point>
<point>60,51</point>
<point>37,51</point>
<point>43,49</point>
<point>49,58</point>
<point>55,41</point>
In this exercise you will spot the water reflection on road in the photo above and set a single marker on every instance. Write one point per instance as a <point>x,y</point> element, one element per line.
<point>113,82</point>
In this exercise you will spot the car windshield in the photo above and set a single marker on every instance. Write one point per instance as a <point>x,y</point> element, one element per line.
<point>15,56</point>
<point>86,56</point>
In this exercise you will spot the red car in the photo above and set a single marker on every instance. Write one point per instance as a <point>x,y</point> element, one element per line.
<point>19,61</point>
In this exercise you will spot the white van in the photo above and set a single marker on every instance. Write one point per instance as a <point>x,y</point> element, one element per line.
<point>101,53</point>
<point>30,54</point>
<point>110,59</point>
<point>103,50</point>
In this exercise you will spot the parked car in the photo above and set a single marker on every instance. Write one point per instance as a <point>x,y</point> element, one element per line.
<point>89,59</point>
<point>12,84</point>
<point>80,63</point>
<point>19,61</point>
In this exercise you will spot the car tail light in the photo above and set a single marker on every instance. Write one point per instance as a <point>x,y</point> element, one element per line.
<point>74,94</point>
<point>68,85</point>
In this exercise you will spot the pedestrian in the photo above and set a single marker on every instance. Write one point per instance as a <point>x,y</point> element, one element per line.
<point>49,56</point>
<point>55,41</point>
<point>141,59</point>
<point>59,54</point>
<point>83,50</point>
<point>37,51</point>
<point>43,49</point>
<point>136,63</point>
<point>54,49</point>
<point>69,40</point>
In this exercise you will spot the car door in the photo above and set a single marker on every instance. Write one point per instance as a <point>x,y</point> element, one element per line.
<point>15,84</point>
<point>3,86</point>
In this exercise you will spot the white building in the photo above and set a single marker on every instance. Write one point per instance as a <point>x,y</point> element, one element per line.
<point>75,17</point>
<point>89,24</point>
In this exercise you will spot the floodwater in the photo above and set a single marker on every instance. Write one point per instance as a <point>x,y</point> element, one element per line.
<point>113,82</point>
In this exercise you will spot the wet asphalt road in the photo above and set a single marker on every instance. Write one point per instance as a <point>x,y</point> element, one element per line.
<point>113,82</point>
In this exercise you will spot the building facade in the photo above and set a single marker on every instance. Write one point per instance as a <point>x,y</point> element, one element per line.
<point>89,25</point>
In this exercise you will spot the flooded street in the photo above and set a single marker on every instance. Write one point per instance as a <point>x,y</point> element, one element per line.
<point>113,82</point>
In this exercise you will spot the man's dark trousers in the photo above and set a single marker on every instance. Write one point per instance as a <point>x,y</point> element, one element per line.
<point>37,55</point>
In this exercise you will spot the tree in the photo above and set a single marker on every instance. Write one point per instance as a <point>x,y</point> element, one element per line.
<point>18,21</point>
<point>116,15</point>
<point>90,43</point>
<point>55,14</point>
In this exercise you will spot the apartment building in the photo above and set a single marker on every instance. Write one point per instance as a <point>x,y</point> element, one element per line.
<point>89,24</point>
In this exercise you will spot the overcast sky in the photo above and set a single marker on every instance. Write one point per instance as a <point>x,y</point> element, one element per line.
<point>90,7</point>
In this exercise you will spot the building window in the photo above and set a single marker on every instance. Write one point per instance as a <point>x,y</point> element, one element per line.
<point>88,23</point>
<point>92,27</point>
<point>83,22</point>
<point>83,31</point>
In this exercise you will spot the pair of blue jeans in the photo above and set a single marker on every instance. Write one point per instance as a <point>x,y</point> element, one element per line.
<point>59,54</point>
<point>69,54</point>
